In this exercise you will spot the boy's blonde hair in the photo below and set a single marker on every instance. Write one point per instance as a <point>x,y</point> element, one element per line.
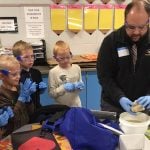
<point>20,46</point>
<point>60,47</point>
<point>7,61</point>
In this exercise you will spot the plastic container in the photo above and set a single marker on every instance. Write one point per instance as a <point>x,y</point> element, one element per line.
<point>134,124</point>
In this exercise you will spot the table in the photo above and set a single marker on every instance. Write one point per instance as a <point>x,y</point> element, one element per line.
<point>5,144</point>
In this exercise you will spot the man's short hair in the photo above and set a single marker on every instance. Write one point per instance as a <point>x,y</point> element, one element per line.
<point>139,4</point>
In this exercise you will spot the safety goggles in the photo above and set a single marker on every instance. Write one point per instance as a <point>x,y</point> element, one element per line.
<point>6,72</point>
<point>63,58</point>
<point>26,58</point>
<point>140,27</point>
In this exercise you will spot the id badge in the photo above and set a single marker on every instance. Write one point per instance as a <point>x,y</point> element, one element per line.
<point>122,51</point>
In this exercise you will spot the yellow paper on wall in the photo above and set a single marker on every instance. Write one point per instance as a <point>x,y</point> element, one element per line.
<point>58,18</point>
<point>90,18</point>
<point>75,17</point>
<point>106,17</point>
<point>119,16</point>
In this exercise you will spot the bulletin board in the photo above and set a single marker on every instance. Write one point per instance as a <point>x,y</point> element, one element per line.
<point>8,24</point>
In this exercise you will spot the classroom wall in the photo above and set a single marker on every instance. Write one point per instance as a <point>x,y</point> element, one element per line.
<point>80,43</point>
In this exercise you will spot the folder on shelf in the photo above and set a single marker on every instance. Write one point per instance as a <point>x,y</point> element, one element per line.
<point>119,15</point>
<point>58,18</point>
<point>105,17</point>
<point>75,20</point>
<point>90,18</point>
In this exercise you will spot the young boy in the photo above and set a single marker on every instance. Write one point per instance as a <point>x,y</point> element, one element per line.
<point>23,51</point>
<point>65,81</point>
<point>13,112</point>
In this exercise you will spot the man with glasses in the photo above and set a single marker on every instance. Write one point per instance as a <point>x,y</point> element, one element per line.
<point>123,63</point>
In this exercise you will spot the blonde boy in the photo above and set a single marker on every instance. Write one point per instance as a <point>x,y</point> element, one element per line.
<point>65,81</point>
<point>23,51</point>
<point>13,96</point>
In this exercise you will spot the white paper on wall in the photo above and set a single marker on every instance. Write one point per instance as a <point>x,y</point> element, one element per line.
<point>33,14</point>
<point>35,30</point>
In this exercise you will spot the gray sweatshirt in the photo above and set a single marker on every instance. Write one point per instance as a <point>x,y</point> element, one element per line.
<point>57,78</point>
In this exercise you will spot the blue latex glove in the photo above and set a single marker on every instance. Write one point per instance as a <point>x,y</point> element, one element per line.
<point>32,88</point>
<point>9,111</point>
<point>1,111</point>
<point>42,87</point>
<point>69,87</point>
<point>26,90</point>
<point>4,118</point>
<point>144,101</point>
<point>126,104</point>
<point>79,85</point>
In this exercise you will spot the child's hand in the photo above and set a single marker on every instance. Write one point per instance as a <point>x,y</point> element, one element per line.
<point>79,85</point>
<point>10,111</point>
<point>69,87</point>
<point>42,87</point>
<point>32,88</point>
<point>26,90</point>
<point>4,118</point>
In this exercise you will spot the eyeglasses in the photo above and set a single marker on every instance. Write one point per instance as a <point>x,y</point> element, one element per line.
<point>140,27</point>
<point>27,58</point>
<point>63,58</point>
<point>14,74</point>
<point>10,73</point>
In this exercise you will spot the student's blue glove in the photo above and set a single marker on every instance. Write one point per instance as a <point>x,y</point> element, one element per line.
<point>9,111</point>
<point>79,85</point>
<point>69,87</point>
<point>32,88</point>
<point>126,104</point>
<point>144,101</point>
<point>1,111</point>
<point>4,116</point>
<point>26,90</point>
<point>42,87</point>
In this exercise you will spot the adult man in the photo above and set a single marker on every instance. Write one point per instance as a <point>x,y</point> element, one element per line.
<point>123,64</point>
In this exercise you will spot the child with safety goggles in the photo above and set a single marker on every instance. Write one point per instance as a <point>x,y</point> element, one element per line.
<point>23,51</point>
<point>13,96</point>
<point>65,81</point>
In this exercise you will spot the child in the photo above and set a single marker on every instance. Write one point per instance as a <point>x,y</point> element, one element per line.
<point>13,112</point>
<point>65,81</point>
<point>24,53</point>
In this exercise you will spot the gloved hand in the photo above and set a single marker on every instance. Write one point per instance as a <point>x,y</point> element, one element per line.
<point>144,101</point>
<point>79,85</point>
<point>32,88</point>
<point>69,87</point>
<point>4,118</point>
<point>126,104</point>
<point>26,90</point>
<point>1,110</point>
<point>42,87</point>
<point>9,111</point>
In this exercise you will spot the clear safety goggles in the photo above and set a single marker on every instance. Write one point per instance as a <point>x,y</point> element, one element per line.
<point>26,58</point>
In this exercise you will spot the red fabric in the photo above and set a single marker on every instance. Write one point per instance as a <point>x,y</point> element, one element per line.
<point>37,143</point>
